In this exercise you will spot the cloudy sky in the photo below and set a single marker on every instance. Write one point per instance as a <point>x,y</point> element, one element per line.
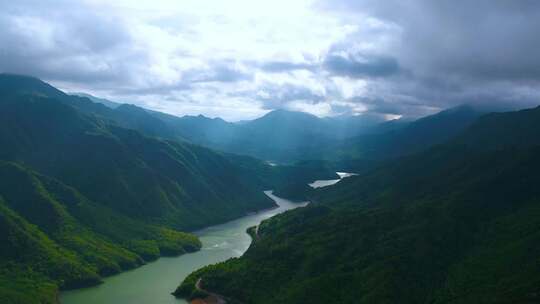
<point>238,59</point>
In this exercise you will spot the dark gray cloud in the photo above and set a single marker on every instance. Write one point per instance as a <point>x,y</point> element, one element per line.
<point>483,52</point>
<point>279,96</point>
<point>63,44</point>
<point>361,66</point>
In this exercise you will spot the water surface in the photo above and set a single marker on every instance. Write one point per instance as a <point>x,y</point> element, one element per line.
<point>329,182</point>
<point>153,283</point>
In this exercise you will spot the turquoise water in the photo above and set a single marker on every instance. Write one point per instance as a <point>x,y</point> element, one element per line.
<point>153,283</point>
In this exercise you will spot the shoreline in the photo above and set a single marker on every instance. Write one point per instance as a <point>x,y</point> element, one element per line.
<point>199,233</point>
<point>253,232</point>
<point>195,232</point>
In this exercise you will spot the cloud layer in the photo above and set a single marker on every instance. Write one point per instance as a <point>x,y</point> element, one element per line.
<point>240,59</point>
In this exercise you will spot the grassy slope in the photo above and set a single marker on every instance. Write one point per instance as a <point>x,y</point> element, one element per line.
<point>162,182</point>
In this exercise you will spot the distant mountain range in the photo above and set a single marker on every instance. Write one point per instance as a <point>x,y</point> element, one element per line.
<point>407,139</point>
<point>286,136</point>
<point>279,136</point>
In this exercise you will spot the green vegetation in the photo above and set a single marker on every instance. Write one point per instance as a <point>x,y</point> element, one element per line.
<point>157,181</point>
<point>53,237</point>
<point>88,191</point>
<point>458,223</point>
<point>409,138</point>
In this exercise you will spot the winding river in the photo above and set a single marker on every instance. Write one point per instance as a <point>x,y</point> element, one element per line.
<point>153,282</point>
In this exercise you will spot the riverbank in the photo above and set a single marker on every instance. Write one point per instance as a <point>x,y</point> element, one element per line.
<point>191,286</point>
<point>154,281</point>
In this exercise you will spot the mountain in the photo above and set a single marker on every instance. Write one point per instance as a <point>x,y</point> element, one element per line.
<point>87,191</point>
<point>405,139</point>
<point>286,136</point>
<point>500,130</point>
<point>280,136</point>
<point>54,237</point>
<point>105,102</point>
<point>456,223</point>
<point>13,85</point>
<point>133,174</point>
<point>211,132</point>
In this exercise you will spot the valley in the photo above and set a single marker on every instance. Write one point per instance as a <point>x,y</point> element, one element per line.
<point>155,281</point>
<point>97,199</point>
<point>269,152</point>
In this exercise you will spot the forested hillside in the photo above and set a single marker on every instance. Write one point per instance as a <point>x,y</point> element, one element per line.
<point>87,191</point>
<point>457,223</point>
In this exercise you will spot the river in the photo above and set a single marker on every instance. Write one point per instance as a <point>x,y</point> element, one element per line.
<point>153,282</point>
<point>329,182</point>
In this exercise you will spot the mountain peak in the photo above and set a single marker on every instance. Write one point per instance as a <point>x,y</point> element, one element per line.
<point>22,84</point>
<point>282,113</point>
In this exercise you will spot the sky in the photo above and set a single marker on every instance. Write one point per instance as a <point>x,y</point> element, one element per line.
<point>239,59</point>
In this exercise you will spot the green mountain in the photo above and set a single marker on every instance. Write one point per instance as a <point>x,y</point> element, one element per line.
<point>54,237</point>
<point>87,191</point>
<point>287,136</point>
<point>105,102</point>
<point>280,136</point>
<point>407,139</point>
<point>167,182</point>
<point>457,223</point>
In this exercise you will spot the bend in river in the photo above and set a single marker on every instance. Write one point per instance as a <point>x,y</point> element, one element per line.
<point>153,283</point>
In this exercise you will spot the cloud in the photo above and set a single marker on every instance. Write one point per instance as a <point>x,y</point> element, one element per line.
<point>481,52</point>
<point>218,72</point>
<point>281,96</point>
<point>242,58</point>
<point>72,43</point>
<point>361,66</point>
<point>284,66</point>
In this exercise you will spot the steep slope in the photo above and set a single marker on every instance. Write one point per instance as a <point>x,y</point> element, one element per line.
<point>414,137</point>
<point>105,102</point>
<point>203,130</point>
<point>457,223</point>
<point>123,115</point>
<point>158,181</point>
<point>499,130</point>
<point>82,197</point>
<point>53,237</point>
<point>280,135</point>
